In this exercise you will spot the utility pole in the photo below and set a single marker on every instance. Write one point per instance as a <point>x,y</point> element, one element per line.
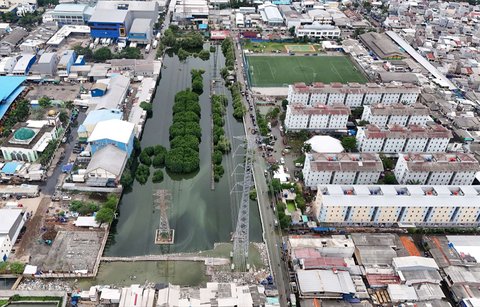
<point>163,235</point>
<point>241,237</point>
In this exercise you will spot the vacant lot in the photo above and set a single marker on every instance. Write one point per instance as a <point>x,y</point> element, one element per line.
<point>274,71</point>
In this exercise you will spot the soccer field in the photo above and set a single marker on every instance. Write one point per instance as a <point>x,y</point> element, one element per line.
<point>276,71</point>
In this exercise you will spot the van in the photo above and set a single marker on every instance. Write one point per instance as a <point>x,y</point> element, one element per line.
<point>276,223</point>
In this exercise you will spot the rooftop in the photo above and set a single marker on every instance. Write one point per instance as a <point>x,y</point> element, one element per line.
<point>319,110</point>
<point>409,132</point>
<point>109,158</point>
<point>8,218</point>
<point>140,25</point>
<point>354,88</point>
<point>382,45</point>
<point>9,85</point>
<point>345,162</point>
<point>398,109</point>
<point>112,129</point>
<point>324,281</point>
<point>440,162</point>
<point>398,195</point>
<point>108,15</point>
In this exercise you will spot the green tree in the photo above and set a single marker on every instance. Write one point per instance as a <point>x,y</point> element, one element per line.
<point>157,176</point>
<point>204,55</point>
<point>217,157</point>
<point>44,102</point>
<point>145,159</point>
<point>300,201</point>
<point>102,54</point>
<point>142,173</point>
<point>390,179</point>
<point>307,147</point>
<point>104,215</point>
<point>147,107</point>
<point>182,54</point>
<point>150,151</point>
<point>349,143</point>
<point>291,30</point>
<point>111,202</point>
<point>129,53</point>
<point>253,194</point>
<point>387,162</point>
<point>276,185</point>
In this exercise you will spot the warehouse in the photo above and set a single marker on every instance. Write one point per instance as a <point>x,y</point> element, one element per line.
<point>47,64</point>
<point>114,131</point>
<point>24,64</point>
<point>141,31</point>
<point>106,167</point>
<point>270,14</point>
<point>382,46</point>
<point>114,19</point>
<point>94,117</point>
<point>330,284</point>
<point>71,14</point>
<point>11,88</point>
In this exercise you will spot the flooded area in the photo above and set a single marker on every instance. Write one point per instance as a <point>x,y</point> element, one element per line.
<point>199,216</point>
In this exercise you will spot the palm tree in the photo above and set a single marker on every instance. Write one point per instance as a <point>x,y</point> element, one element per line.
<point>307,147</point>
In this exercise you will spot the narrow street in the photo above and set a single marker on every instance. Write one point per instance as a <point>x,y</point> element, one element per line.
<point>271,234</point>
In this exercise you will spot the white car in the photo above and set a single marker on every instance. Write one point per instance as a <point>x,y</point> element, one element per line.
<point>282,160</point>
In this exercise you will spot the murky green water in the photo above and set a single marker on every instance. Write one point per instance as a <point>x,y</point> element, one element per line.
<point>141,272</point>
<point>199,215</point>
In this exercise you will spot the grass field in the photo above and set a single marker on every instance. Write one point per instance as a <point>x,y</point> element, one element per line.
<point>274,47</point>
<point>277,71</point>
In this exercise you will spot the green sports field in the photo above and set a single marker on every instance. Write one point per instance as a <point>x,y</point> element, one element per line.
<point>277,71</point>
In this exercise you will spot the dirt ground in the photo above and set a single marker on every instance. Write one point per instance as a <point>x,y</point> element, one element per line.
<point>28,243</point>
<point>64,91</point>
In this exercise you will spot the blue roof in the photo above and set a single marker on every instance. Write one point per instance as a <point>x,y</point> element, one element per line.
<point>8,102</point>
<point>203,26</point>
<point>101,115</point>
<point>9,85</point>
<point>10,167</point>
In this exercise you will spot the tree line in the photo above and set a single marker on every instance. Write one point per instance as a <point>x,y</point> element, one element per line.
<point>221,145</point>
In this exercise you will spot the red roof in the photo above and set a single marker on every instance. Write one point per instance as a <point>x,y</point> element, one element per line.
<point>249,34</point>
<point>380,280</point>
<point>219,35</point>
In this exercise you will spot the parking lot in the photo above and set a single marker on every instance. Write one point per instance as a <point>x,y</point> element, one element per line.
<point>64,91</point>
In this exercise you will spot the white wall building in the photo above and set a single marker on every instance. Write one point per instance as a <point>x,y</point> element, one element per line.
<point>436,168</point>
<point>11,223</point>
<point>428,205</point>
<point>318,30</point>
<point>352,94</point>
<point>398,114</point>
<point>341,168</point>
<point>395,139</point>
<point>300,117</point>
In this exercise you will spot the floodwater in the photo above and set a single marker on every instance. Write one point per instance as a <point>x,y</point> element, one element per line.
<point>199,216</point>
<point>182,273</point>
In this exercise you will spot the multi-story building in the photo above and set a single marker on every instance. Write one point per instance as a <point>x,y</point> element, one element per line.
<point>395,139</point>
<point>436,168</point>
<point>319,117</point>
<point>398,114</point>
<point>352,94</point>
<point>428,205</point>
<point>318,30</point>
<point>72,14</point>
<point>341,168</point>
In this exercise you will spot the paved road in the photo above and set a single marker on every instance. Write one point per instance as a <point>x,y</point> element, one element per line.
<point>49,186</point>
<point>272,234</point>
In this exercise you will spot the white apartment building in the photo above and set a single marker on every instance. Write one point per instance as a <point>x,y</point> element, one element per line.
<point>318,30</point>
<point>320,117</point>
<point>341,168</point>
<point>352,94</point>
<point>396,114</point>
<point>436,168</point>
<point>396,139</point>
<point>428,205</point>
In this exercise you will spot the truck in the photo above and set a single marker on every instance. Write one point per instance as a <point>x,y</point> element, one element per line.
<point>155,44</point>
<point>147,49</point>
<point>97,40</point>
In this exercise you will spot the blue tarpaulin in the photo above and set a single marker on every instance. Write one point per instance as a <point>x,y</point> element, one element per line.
<point>10,167</point>
<point>67,168</point>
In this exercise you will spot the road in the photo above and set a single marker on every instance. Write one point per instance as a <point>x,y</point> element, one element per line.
<point>272,235</point>
<point>49,186</point>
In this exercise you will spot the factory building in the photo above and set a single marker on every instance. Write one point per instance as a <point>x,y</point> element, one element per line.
<point>341,168</point>
<point>422,205</point>
<point>191,11</point>
<point>352,94</point>
<point>396,114</point>
<point>436,168</point>
<point>382,46</point>
<point>270,14</point>
<point>394,139</point>
<point>320,117</point>
<point>114,19</point>
<point>71,14</point>
<point>11,223</point>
